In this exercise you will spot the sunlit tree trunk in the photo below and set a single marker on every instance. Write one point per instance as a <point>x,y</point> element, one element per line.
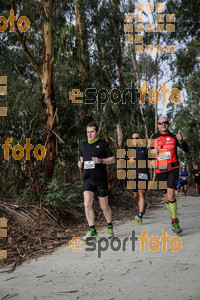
<point>48,97</point>
<point>82,41</point>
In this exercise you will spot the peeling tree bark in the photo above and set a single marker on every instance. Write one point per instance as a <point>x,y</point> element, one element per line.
<point>48,97</point>
<point>81,42</point>
<point>48,92</point>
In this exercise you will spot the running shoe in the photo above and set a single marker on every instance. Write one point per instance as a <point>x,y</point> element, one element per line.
<point>176,228</point>
<point>197,195</point>
<point>146,206</point>
<point>110,233</point>
<point>138,219</point>
<point>91,233</point>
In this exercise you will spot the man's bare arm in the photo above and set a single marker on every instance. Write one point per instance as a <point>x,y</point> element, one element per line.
<point>105,161</point>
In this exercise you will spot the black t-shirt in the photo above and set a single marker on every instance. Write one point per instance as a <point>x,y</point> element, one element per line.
<point>196,174</point>
<point>98,149</point>
<point>141,154</point>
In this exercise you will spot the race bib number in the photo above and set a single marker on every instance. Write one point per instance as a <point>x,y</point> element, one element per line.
<point>184,178</point>
<point>196,174</point>
<point>164,155</point>
<point>89,165</point>
<point>143,176</point>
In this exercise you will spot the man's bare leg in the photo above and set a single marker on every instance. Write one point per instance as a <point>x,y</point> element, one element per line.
<point>140,196</point>
<point>142,200</point>
<point>197,188</point>
<point>103,201</point>
<point>88,202</point>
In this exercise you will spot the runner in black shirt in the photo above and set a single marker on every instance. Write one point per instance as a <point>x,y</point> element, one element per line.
<point>141,156</point>
<point>95,155</point>
<point>196,177</point>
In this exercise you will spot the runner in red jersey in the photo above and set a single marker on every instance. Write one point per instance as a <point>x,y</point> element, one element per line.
<point>167,165</point>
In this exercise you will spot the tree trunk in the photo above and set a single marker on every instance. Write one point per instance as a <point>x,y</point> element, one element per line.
<point>48,93</point>
<point>117,41</point>
<point>119,136</point>
<point>137,83</point>
<point>48,97</point>
<point>81,42</point>
<point>156,105</point>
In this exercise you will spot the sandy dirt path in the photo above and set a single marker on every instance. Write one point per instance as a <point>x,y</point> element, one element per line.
<point>109,274</point>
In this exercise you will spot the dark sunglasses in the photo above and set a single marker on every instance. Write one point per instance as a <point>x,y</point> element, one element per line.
<point>136,138</point>
<point>164,122</point>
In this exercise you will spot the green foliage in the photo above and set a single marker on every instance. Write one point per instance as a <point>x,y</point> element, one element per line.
<point>103,20</point>
<point>57,193</point>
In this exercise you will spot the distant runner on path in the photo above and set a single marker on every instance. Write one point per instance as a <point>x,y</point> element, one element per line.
<point>196,177</point>
<point>141,154</point>
<point>183,180</point>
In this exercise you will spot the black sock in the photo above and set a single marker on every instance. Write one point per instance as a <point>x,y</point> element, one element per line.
<point>140,214</point>
<point>92,227</point>
<point>109,224</point>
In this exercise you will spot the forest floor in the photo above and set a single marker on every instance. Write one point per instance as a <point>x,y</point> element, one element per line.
<point>33,231</point>
<point>128,272</point>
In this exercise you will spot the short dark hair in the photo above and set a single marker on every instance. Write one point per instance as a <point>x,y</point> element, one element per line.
<point>93,124</point>
<point>137,133</point>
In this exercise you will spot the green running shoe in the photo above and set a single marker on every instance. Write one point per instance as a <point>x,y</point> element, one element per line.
<point>91,233</point>
<point>138,219</point>
<point>176,228</point>
<point>110,233</point>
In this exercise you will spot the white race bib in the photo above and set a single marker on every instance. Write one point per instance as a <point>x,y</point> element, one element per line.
<point>184,178</point>
<point>143,176</point>
<point>164,155</point>
<point>89,165</point>
<point>196,174</point>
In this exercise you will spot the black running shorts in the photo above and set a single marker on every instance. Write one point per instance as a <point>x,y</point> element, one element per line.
<point>171,177</point>
<point>183,183</point>
<point>92,185</point>
<point>197,180</point>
